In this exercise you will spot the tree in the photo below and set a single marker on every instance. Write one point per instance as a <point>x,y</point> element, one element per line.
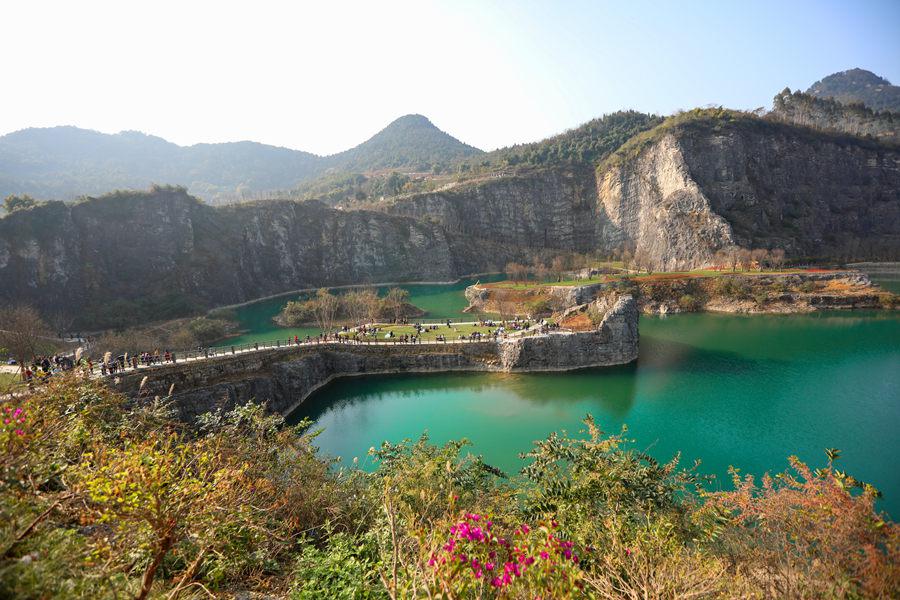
<point>325,308</point>
<point>354,306</point>
<point>776,258</point>
<point>540,270</point>
<point>516,271</point>
<point>371,304</point>
<point>759,256</point>
<point>558,267</point>
<point>395,301</point>
<point>22,332</point>
<point>14,202</point>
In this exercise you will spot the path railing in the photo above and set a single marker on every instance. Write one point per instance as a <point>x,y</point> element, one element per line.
<point>235,349</point>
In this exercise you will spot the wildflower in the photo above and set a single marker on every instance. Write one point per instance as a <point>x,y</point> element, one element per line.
<point>544,555</point>
<point>627,551</point>
<point>19,432</point>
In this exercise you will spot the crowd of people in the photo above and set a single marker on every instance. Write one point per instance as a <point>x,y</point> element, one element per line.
<point>44,367</point>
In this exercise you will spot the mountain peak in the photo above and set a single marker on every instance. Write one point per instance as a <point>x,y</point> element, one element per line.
<point>408,142</point>
<point>858,85</point>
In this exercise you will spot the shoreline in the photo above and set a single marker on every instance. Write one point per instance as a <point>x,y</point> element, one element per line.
<point>346,287</point>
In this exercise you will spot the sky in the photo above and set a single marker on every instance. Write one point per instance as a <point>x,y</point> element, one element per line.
<point>325,76</point>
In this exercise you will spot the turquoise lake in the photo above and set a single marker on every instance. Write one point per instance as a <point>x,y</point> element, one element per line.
<point>734,390</point>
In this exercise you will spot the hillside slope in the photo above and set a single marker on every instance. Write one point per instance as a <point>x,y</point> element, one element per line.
<point>858,85</point>
<point>64,163</point>
<point>412,141</point>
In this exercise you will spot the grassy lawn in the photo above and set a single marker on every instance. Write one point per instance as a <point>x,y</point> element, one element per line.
<point>451,333</point>
<point>7,380</point>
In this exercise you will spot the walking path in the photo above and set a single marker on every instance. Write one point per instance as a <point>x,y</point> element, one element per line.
<point>219,351</point>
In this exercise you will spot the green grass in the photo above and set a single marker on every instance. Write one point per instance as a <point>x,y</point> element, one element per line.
<point>451,333</point>
<point>7,380</point>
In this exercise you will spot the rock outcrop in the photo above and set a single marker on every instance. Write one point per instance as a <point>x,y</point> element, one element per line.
<point>138,256</point>
<point>673,195</point>
<point>283,377</point>
<point>705,185</point>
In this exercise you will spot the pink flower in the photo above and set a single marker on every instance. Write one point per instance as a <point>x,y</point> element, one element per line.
<point>627,551</point>
<point>19,432</point>
<point>6,421</point>
<point>544,555</point>
<point>489,566</point>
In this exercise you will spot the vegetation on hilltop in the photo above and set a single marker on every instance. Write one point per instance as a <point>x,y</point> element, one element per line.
<point>707,120</point>
<point>858,86</point>
<point>585,144</point>
<point>411,142</point>
<point>105,498</point>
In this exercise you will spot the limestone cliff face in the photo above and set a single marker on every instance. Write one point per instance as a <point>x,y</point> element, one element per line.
<point>551,208</point>
<point>655,205</point>
<point>142,252</point>
<point>695,190</point>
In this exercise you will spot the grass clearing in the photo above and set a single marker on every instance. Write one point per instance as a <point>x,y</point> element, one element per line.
<point>451,333</point>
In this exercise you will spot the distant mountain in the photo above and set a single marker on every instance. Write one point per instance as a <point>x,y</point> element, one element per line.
<point>66,162</point>
<point>859,85</point>
<point>410,141</point>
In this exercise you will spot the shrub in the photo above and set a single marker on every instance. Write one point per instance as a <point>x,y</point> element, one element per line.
<point>688,303</point>
<point>207,330</point>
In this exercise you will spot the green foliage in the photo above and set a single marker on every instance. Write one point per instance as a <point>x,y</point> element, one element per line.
<point>18,202</point>
<point>858,86</point>
<point>346,568</point>
<point>207,330</point>
<point>586,144</point>
<point>103,498</point>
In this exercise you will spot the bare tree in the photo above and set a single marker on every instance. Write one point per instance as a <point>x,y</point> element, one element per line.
<point>396,301</point>
<point>325,307</point>
<point>354,306</point>
<point>371,304</point>
<point>759,256</point>
<point>558,267</point>
<point>776,257</point>
<point>23,333</point>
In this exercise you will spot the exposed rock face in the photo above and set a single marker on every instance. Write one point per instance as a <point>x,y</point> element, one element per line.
<point>656,204</point>
<point>685,192</point>
<point>283,378</point>
<point>144,251</point>
<point>693,192</point>
<point>614,342</point>
<point>547,208</point>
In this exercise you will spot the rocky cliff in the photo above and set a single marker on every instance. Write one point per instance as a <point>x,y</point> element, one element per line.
<point>694,187</point>
<point>538,208</point>
<point>674,195</point>
<point>136,256</point>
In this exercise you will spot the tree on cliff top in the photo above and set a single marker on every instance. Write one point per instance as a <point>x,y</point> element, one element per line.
<point>15,202</point>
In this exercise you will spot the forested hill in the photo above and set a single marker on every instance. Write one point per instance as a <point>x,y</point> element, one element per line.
<point>858,85</point>
<point>66,162</point>
<point>412,141</point>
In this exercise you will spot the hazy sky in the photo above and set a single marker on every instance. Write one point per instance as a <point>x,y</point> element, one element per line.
<point>324,76</point>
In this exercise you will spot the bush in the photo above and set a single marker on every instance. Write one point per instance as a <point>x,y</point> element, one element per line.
<point>104,498</point>
<point>207,330</point>
<point>688,303</point>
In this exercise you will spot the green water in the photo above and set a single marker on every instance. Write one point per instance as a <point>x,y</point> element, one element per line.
<point>439,302</point>
<point>730,390</point>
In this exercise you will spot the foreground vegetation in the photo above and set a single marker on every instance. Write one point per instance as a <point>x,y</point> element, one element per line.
<point>105,498</point>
